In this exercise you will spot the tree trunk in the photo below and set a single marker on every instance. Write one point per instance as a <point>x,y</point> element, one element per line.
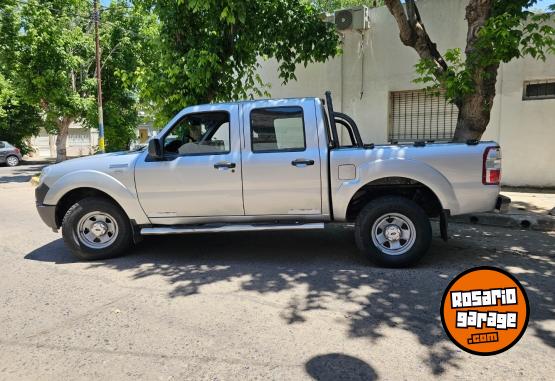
<point>475,108</point>
<point>61,139</point>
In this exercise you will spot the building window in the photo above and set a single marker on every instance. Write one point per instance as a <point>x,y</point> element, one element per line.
<point>539,90</point>
<point>421,115</point>
<point>78,137</point>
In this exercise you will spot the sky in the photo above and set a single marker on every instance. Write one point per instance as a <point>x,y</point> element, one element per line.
<point>543,4</point>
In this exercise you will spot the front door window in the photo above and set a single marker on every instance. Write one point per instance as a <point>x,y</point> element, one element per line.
<point>198,134</point>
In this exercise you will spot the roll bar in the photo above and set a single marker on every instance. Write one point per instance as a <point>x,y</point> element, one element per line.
<point>344,120</point>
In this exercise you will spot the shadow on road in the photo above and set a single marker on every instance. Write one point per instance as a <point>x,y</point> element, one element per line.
<point>338,366</point>
<point>21,174</point>
<point>330,269</point>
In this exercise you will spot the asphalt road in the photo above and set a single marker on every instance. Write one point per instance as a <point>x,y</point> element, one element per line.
<point>283,306</point>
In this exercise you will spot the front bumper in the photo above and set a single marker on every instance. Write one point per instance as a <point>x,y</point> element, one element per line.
<point>48,215</point>
<point>46,212</point>
<point>503,203</point>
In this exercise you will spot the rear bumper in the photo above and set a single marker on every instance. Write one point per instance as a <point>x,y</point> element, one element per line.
<point>503,203</point>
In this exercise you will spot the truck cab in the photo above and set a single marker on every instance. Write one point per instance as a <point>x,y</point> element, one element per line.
<point>243,161</point>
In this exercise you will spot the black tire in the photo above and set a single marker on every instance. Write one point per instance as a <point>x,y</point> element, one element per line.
<point>70,229</point>
<point>12,161</point>
<point>376,211</point>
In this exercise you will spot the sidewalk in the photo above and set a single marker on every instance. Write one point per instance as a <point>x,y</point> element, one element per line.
<point>529,209</point>
<point>36,160</point>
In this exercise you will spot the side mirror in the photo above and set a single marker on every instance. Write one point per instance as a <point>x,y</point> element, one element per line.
<point>155,148</point>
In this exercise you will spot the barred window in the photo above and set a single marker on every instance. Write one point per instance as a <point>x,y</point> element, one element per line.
<point>539,90</point>
<point>421,115</point>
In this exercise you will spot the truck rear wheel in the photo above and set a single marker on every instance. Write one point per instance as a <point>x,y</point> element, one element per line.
<point>393,231</point>
<point>95,228</point>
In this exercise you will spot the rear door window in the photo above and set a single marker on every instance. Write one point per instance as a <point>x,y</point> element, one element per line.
<point>276,129</point>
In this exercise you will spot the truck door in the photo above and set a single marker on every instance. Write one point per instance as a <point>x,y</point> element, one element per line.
<point>281,158</point>
<point>201,172</point>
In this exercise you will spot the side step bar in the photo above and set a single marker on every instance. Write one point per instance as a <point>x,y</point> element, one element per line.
<point>165,230</point>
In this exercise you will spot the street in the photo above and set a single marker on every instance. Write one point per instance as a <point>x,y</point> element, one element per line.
<point>266,305</point>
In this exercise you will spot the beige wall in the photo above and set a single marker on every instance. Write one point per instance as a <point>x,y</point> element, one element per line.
<point>525,129</point>
<point>81,142</point>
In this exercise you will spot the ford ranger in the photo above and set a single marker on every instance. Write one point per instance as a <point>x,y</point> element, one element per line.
<point>282,164</point>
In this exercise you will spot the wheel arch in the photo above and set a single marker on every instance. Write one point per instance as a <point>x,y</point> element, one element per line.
<point>77,194</point>
<point>385,173</point>
<point>405,187</point>
<point>80,184</point>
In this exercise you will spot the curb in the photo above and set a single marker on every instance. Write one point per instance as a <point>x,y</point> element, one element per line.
<point>520,221</point>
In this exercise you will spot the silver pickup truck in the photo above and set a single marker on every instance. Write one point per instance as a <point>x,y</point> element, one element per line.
<point>282,164</point>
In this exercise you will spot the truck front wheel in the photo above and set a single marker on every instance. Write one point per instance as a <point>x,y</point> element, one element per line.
<point>393,231</point>
<point>95,228</point>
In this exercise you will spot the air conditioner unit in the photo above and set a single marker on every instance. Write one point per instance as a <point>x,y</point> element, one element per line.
<point>357,18</point>
<point>328,17</point>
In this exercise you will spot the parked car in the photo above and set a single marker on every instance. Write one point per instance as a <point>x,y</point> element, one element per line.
<point>9,154</point>
<point>268,165</point>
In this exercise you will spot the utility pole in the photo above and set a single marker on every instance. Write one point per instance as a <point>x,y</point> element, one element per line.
<point>99,80</point>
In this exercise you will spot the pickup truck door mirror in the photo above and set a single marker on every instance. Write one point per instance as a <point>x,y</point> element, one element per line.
<point>155,149</point>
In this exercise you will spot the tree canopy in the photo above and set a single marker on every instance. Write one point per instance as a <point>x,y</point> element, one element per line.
<point>158,55</point>
<point>47,54</point>
<point>19,119</point>
<point>125,38</point>
<point>210,50</point>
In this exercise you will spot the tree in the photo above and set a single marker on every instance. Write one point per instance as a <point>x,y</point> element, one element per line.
<point>19,120</point>
<point>125,32</point>
<point>50,50</point>
<point>47,47</point>
<point>498,31</point>
<point>209,50</point>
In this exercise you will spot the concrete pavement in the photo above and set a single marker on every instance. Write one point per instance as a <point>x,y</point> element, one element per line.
<point>529,209</point>
<point>283,306</point>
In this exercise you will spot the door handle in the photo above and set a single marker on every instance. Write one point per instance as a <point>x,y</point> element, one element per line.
<point>302,162</point>
<point>224,165</point>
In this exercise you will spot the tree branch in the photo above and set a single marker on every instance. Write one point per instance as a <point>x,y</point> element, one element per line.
<point>414,34</point>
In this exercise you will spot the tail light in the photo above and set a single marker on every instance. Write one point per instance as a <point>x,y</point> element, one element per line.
<point>18,150</point>
<point>491,172</point>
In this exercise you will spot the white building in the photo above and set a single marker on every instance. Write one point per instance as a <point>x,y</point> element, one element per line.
<point>372,82</point>
<point>81,141</point>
